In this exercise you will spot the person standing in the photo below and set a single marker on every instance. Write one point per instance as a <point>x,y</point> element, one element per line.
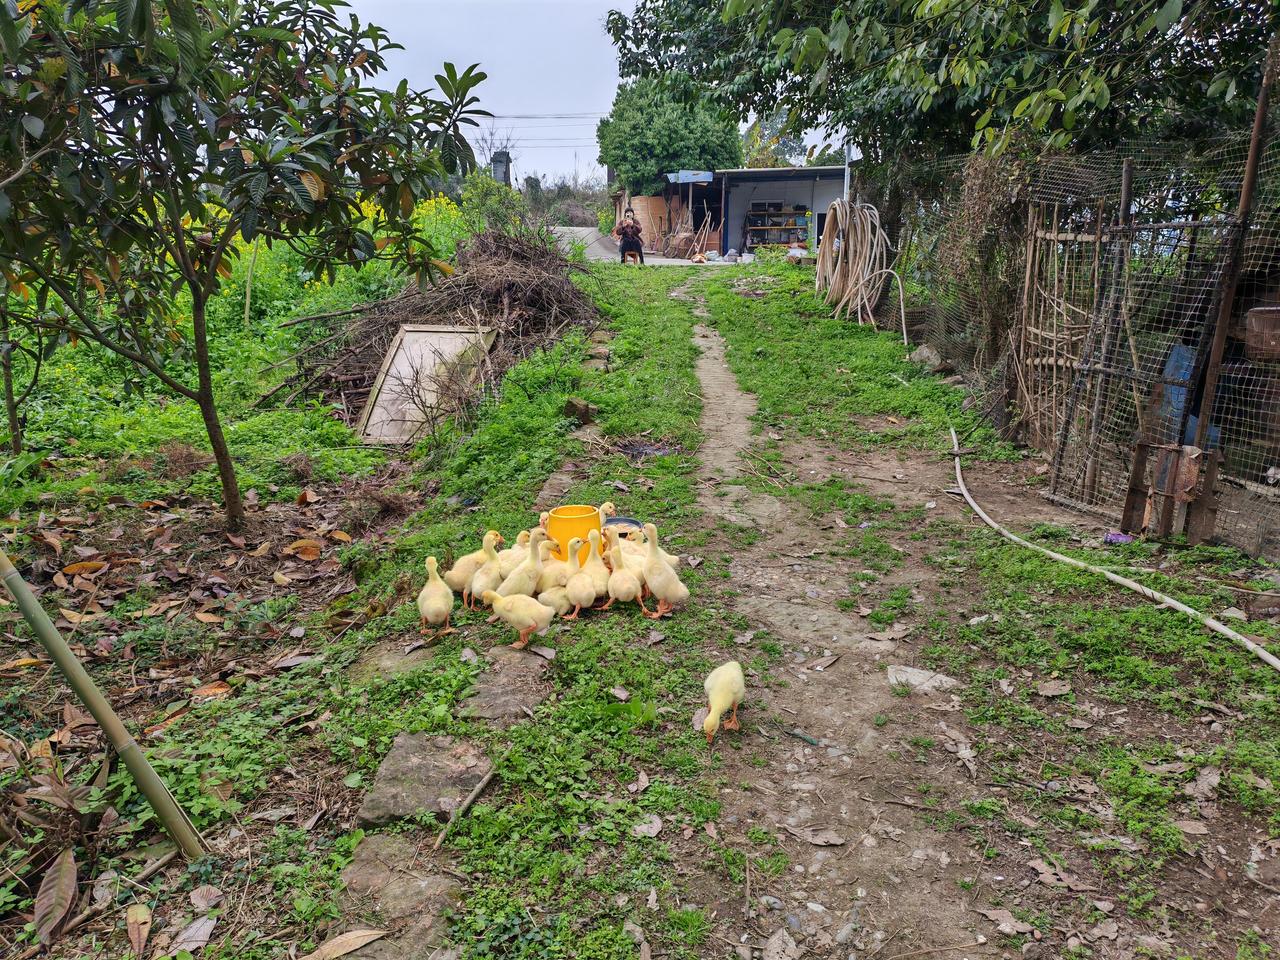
<point>628,233</point>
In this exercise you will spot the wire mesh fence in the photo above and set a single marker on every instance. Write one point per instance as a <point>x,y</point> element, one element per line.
<point>1078,295</point>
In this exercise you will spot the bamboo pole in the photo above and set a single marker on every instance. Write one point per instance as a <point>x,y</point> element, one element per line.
<point>144,775</point>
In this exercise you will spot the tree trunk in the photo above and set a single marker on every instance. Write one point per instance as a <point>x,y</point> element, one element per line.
<point>10,398</point>
<point>231,499</point>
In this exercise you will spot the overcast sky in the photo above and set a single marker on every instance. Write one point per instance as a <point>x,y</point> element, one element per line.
<point>543,57</point>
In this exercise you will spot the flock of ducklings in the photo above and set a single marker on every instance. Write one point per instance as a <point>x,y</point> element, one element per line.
<point>526,587</point>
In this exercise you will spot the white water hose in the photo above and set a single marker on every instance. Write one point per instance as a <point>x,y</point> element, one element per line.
<point>853,262</point>
<point>1216,626</point>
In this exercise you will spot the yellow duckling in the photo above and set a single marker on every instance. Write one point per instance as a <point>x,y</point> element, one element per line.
<point>594,567</point>
<point>624,583</point>
<point>459,577</point>
<point>580,589</point>
<point>633,559</point>
<point>606,510</point>
<point>488,577</point>
<point>661,577</point>
<point>524,578</point>
<point>524,613</point>
<point>558,598</point>
<point>543,517</point>
<point>512,557</point>
<point>637,542</point>
<point>726,688</point>
<point>555,573</point>
<point>435,601</point>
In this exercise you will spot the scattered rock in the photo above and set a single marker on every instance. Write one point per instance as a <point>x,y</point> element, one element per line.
<point>422,774</point>
<point>772,903</point>
<point>575,408</point>
<point>929,356</point>
<point>510,688</point>
<point>920,681</point>
<point>388,659</point>
<point>382,877</point>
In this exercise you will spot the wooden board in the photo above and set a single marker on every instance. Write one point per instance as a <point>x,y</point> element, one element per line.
<point>403,393</point>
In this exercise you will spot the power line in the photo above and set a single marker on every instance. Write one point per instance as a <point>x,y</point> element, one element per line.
<point>545,116</point>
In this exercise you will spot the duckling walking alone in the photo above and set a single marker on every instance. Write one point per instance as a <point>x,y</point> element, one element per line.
<point>726,687</point>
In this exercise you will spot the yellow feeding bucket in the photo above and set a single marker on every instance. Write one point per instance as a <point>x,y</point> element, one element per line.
<point>568,522</point>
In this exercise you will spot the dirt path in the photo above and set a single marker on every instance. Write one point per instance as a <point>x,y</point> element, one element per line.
<point>889,879</point>
<point>851,740</point>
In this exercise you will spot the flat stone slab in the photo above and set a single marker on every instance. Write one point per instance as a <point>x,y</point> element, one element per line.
<point>410,900</point>
<point>510,688</point>
<point>422,774</point>
<point>922,681</point>
<point>388,659</point>
<point>744,508</point>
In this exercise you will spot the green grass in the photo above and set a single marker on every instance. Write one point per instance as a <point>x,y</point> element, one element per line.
<point>832,379</point>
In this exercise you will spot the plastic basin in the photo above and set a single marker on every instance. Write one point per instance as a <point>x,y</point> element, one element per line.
<point>571,521</point>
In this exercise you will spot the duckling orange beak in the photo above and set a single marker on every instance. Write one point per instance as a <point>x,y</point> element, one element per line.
<point>710,738</point>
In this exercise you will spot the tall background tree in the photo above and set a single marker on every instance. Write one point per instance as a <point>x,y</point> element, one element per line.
<point>900,75</point>
<point>144,144</point>
<point>650,132</point>
<point>768,142</point>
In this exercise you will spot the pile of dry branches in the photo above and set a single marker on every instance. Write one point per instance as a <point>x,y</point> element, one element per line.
<point>518,285</point>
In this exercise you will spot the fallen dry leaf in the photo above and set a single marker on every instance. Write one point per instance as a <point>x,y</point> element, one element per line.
<point>1056,877</point>
<point>344,943</point>
<point>56,895</point>
<point>699,718</point>
<point>305,549</point>
<point>204,616</point>
<point>1006,923</point>
<point>21,663</point>
<point>71,616</point>
<point>205,897</point>
<point>1205,785</point>
<point>212,691</point>
<point>780,946</point>
<point>1107,930</point>
<point>818,836</point>
<point>1053,688</point>
<point>640,784</point>
<point>710,829</point>
<point>194,936</point>
<point>650,826</point>
<point>138,921</point>
<point>84,566</point>
<point>341,536</point>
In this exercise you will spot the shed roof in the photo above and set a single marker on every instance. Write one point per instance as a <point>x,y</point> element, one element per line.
<point>782,173</point>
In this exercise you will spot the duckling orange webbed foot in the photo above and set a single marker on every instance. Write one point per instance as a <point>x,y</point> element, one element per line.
<point>732,723</point>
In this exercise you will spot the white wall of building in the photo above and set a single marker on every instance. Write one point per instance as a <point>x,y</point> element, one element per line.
<point>815,193</point>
